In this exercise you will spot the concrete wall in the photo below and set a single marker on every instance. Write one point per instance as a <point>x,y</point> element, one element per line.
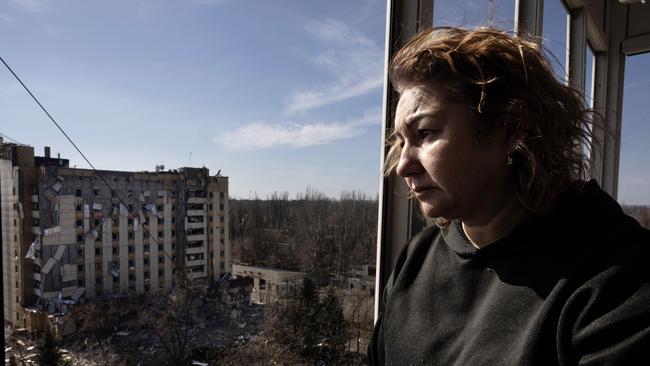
<point>107,256</point>
<point>226,231</point>
<point>167,243</point>
<point>11,236</point>
<point>139,255</point>
<point>123,238</point>
<point>216,244</point>
<point>88,253</point>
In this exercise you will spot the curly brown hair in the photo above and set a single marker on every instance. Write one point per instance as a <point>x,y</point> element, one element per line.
<point>508,83</point>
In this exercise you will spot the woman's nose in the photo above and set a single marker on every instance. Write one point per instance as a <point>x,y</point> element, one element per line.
<point>409,163</point>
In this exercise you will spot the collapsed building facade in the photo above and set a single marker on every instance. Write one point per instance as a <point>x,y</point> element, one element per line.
<point>68,237</point>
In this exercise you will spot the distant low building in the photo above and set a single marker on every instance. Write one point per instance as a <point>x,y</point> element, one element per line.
<point>68,237</point>
<point>270,283</point>
<point>362,278</point>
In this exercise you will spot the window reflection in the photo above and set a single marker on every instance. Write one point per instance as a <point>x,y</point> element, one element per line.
<point>495,13</point>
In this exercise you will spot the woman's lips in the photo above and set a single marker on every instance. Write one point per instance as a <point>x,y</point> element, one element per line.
<point>419,191</point>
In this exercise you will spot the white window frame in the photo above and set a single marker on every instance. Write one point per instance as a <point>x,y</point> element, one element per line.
<point>396,220</point>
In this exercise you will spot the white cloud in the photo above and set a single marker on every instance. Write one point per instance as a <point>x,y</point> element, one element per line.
<point>261,135</point>
<point>4,18</point>
<point>354,61</point>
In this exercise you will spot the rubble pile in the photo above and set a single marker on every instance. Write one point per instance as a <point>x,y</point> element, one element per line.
<point>126,329</point>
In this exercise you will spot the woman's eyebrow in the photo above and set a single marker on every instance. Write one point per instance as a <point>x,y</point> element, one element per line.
<point>417,116</point>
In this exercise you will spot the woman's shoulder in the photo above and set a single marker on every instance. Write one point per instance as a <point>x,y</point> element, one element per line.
<point>417,246</point>
<point>604,241</point>
<point>425,237</point>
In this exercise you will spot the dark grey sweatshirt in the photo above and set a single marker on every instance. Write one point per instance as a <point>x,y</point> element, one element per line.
<point>568,288</point>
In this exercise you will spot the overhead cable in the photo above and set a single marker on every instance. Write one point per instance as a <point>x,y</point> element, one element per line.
<point>85,158</point>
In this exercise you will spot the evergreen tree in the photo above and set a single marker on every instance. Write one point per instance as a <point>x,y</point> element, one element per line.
<point>333,328</point>
<point>309,293</point>
<point>48,350</point>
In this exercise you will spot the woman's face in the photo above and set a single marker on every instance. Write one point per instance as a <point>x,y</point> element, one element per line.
<point>453,172</point>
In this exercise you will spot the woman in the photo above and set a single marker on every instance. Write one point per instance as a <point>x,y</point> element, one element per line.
<point>527,264</point>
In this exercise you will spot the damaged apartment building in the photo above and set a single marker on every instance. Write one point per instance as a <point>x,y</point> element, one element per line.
<point>68,237</point>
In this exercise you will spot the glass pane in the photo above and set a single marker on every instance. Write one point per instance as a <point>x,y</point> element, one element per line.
<point>590,72</point>
<point>496,13</point>
<point>634,170</point>
<point>229,132</point>
<point>556,22</point>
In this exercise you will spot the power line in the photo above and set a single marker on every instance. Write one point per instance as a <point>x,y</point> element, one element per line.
<point>86,159</point>
<point>48,114</point>
<point>14,140</point>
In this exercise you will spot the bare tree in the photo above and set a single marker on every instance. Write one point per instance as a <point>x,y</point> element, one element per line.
<point>177,316</point>
<point>312,233</point>
<point>359,309</point>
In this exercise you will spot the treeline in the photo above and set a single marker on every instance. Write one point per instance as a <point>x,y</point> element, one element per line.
<point>311,232</point>
<point>640,213</point>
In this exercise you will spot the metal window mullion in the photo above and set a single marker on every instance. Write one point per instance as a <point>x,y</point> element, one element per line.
<point>577,55</point>
<point>529,17</point>
<point>616,19</point>
<point>404,18</point>
<point>597,39</point>
<point>635,45</point>
<point>598,131</point>
<point>598,42</point>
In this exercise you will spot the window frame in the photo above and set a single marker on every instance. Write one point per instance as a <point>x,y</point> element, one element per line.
<point>610,44</point>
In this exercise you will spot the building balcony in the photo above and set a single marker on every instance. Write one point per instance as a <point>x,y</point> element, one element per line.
<point>196,237</point>
<point>195,225</point>
<point>195,250</point>
<point>201,212</point>
<point>196,262</point>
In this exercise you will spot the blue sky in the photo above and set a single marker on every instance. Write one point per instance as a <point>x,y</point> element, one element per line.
<point>634,168</point>
<point>279,95</point>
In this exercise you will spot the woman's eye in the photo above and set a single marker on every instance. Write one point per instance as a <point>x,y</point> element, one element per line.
<point>426,133</point>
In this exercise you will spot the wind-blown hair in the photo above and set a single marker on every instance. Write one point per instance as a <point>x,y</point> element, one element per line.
<point>506,82</point>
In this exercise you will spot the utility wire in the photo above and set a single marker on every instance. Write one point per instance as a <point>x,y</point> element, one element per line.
<point>87,161</point>
<point>48,114</point>
<point>14,140</point>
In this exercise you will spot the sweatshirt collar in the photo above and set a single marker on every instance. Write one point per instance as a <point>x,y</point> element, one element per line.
<point>455,237</point>
<point>579,200</point>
